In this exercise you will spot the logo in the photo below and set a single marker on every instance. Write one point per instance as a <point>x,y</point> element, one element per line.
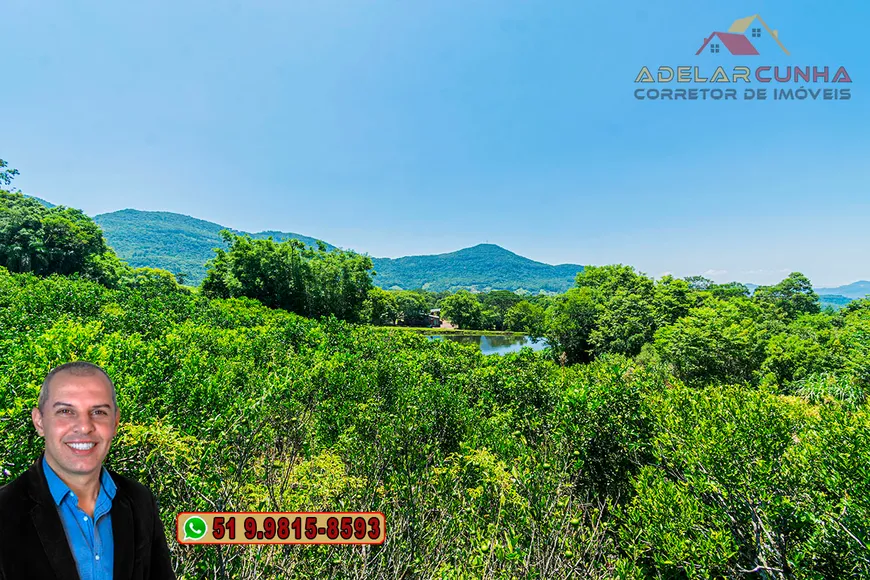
<point>738,42</point>
<point>194,528</point>
<point>746,37</point>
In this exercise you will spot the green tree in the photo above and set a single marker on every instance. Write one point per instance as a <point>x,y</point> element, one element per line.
<point>672,300</point>
<point>709,288</point>
<point>624,303</point>
<point>624,323</point>
<point>490,320</point>
<point>721,342</point>
<point>260,269</point>
<point>729,290</point>
<point>6,175</point>
<point>462,309</point>
<point>381,307</point>
<point>570,322</point>
<point>413,307</point>
<point>291,276</point>
<point>806,347</point>
<point>698,282</point>
<point>338,282</point>
<point>791,297</point>
<point>57,240</point>
<point>526,317</point>
<point>605,281</point>
<point>495,305</point>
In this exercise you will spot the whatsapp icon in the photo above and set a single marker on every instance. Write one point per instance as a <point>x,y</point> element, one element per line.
<point>194,528</point>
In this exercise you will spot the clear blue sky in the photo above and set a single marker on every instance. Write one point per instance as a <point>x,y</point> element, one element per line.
<point>417,127</point>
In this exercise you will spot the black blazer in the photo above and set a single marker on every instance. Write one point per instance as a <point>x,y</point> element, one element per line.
<point>33,543</point>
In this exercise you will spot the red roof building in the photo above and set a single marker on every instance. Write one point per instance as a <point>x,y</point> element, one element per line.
<point>737,44</point>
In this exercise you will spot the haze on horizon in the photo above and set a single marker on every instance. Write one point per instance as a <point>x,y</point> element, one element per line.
<point>419,128</point>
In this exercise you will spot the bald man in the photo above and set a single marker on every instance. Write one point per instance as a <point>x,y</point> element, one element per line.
<point>68,517</point>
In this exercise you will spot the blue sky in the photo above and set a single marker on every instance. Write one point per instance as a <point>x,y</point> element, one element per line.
<point>397,128</point>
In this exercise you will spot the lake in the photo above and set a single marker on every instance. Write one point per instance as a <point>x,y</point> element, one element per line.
<point>494,344</point>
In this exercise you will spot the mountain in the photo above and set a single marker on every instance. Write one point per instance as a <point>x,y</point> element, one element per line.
<point>40,200</point>
<point>837,297</point>
<point>171,241</point>
<point>480,268</point>
<point>854,290</point>
<point>180,243</point>
<point>835,301</point>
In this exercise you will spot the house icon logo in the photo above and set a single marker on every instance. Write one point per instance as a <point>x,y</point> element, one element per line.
<point>743,38</point>
<point>769,78</point>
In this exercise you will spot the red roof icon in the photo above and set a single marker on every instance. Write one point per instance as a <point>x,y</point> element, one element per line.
<point>736,44</point>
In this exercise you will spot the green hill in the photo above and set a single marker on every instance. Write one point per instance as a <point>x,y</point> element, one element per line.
<point>181,243</point>
<point>480,268</point>
<point>171,241</point>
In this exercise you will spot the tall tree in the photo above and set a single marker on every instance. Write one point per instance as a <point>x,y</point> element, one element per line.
<point>381,307</point>
<point>526,317</point>
<point>570,322</point>
<point>57,240</point>
<point>289,275</point>
<point>672,300</point>
<point>495,306</point>
<point>791,297</point>
<point>462,309</point>
<point>721,342</point>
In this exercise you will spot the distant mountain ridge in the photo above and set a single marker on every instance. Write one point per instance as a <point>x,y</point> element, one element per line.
<point>854,290</point>
<point>180,243</point>
<point>835,301</point>
<point>483,267</point>
<point>172,241</point>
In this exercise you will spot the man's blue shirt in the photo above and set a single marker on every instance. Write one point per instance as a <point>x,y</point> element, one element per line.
<point>92,546</point>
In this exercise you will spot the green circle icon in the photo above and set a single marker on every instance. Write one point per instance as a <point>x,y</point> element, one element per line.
<point>194,528</point>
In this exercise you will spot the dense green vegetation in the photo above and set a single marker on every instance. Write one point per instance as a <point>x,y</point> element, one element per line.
<point>501,466</point>
<point>291,276</point>
<point>675,429</point>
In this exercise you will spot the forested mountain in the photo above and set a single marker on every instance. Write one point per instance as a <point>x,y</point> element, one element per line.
<point>172,241</point>
<point>181,243</point>
<point>483,267</point>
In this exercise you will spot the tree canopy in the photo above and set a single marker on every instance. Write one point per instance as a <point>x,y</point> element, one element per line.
<point>291,276</point>
<point>57,240</point>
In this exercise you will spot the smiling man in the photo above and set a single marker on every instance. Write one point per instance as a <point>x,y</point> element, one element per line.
<point>68,517</point>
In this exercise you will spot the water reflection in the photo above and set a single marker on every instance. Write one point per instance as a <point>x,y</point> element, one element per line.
<point>495,344</point>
